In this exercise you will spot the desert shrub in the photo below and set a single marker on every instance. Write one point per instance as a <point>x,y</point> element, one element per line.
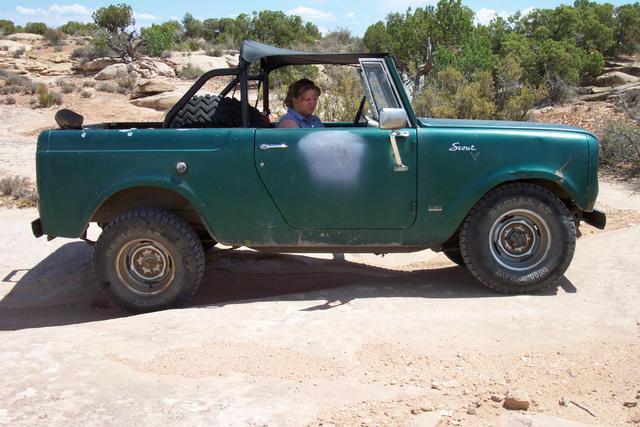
<point>341,94</point>
<point>629,102</point>
<point>107,87</point>
<point>65,86</point>
<point>4,48</point>
<point>16,83</point>
<point>19,52</point>
<point>283,77</point>
<point>518,104</point>
<point>20,189</point>
<point>86,93</point>
<point>160,38</point>
<point>189,45</point>
<point>35,28</point>
<point>126,84</point>
<point>214,50</point>
<point>10,100</point>
<point>190,72</point>
<point>81,53</point>
<point>620,148</point>
<point>7,27</point>
<point>54,37</point>
<point>46,98</point>
<point>89,83</point>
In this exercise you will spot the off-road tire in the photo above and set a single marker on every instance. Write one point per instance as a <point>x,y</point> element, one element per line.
<point>149,259</point>
<point>519,238</point>
<point>209,111</point>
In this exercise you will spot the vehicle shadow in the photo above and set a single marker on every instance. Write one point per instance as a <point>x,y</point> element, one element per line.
<point>61,290</point>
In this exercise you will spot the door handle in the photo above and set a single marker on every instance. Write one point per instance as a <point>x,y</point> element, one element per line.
<point>397,160</point>
<point>273,146</point>
<point>399,133</point>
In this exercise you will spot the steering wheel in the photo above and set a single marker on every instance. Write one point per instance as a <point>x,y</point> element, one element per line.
<point>359,112</point>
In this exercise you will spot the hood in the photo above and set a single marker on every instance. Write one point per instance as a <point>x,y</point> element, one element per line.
<point>499,124</point>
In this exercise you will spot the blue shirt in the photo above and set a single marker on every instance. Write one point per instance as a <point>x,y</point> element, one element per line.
<point>303,122</point>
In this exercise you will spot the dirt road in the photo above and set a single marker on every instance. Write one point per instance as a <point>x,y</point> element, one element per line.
<point>292,340</point>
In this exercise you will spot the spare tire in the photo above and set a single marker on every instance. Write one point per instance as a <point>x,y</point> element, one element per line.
<point>216,112</point>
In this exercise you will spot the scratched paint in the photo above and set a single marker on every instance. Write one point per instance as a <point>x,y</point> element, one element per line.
<point>334,158</point>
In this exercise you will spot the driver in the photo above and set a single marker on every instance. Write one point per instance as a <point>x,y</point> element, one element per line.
<point>301,101</point>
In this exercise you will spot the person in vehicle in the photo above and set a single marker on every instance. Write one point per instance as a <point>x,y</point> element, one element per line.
<point>301,101</point>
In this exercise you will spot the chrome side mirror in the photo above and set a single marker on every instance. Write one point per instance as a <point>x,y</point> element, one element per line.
<point>393,118</point>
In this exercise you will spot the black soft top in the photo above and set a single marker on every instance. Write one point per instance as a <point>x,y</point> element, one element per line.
<point>272,57</point>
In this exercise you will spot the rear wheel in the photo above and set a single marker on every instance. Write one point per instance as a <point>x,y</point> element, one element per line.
<point>149,259</point>
<point>518,238</point>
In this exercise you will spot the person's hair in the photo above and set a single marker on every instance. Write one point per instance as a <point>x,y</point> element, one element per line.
<point>297,88</point>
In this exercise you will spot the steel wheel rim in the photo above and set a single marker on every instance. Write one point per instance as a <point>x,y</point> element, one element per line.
<point>519,240</point>
<point>145,266</point>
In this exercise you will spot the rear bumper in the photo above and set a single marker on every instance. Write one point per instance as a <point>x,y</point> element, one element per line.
<point>596,218</point>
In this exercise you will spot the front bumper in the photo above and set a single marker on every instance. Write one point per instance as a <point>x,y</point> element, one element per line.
<point>596,218</point>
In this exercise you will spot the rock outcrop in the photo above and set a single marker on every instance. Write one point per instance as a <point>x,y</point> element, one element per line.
<point>160,102</point>
<point>144,88</point>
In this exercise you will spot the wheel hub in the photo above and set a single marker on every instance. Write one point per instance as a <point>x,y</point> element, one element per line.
<point>145,266</point>
<point>519,240</point>
<point>148,263</point>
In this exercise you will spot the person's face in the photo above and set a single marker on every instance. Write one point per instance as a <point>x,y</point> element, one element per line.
<point>306,103</point>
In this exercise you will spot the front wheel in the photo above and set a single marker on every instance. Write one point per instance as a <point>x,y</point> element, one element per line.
<point>518,238</point>
<point>150,259</point>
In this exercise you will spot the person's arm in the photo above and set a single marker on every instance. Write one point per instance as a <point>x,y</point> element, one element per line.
<point>288,123</point>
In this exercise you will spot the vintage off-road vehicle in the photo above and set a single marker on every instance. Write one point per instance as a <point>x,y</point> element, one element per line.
<point>504,199</point>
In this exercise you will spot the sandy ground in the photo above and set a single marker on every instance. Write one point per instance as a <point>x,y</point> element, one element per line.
<point>405,339</point>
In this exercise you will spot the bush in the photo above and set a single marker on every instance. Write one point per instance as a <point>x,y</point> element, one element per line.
<point>19,52</point>
<point>107,87</point>
<point>36,28</point>
<point>65,86</point>
<point>19,188</point>
<point>190,73</point>
<point>16,83</point>
<point>85,93</point>
<point>159,38</point>
<point>125,85</point>
<point>46,98</point>
<point>215,50</point>
<point>54,37</point>
<point>89,83</point>
<point>10,100</point>
<point>341,94</point>
<point>620,148</point>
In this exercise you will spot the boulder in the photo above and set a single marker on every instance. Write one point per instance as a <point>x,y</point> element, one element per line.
<point>160,102</point>
<point>115,71</point>
<point>99,64</point>
<point>615,78</point>
<point>12,46</point>
<point>151,87</point>
<point>24,37</point>
<point>232,60</point>
<point>149,68</point>
<point>201,62</point>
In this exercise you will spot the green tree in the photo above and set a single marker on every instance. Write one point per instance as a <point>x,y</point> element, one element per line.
<point>35,28</point>
<point>117,25</point>
<point>74,28</point>
<point>279,29</point>
<point>627,28</point>
<point>193,27</point>
<point>160,38</point>
<point>375,38</point>
<point>7,27</point>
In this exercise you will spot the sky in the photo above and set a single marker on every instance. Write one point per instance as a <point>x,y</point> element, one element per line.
<point>328,15</point>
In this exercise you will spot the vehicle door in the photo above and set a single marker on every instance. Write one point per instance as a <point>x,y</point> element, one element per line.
<point>344,177</point>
